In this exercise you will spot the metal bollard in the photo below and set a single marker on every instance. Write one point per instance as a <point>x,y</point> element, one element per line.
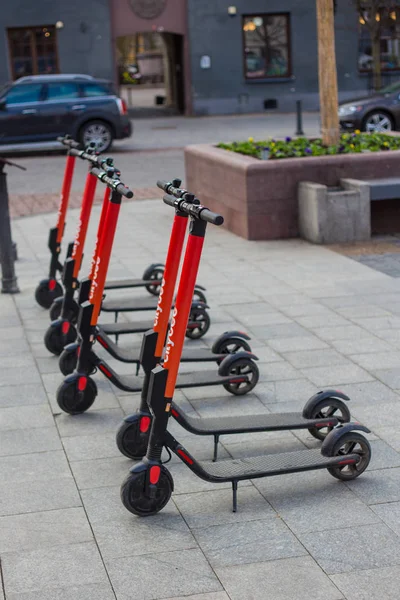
<point>9,283</point>
<point>299,118</point>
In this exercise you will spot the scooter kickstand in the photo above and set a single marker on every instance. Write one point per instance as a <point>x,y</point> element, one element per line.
<point>234,495</point>
<point>216,440</point>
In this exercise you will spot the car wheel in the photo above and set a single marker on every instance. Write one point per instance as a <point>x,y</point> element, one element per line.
<point>99,133</point>
<point>378,122</point>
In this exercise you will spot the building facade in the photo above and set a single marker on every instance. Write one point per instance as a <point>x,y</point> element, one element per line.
<point>224,56</point>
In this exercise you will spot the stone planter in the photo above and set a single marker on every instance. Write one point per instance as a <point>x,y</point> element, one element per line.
<point>259,199</point>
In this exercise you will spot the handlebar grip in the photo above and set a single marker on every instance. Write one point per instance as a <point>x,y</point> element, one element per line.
<point>169,200</point>
<point>171,187</point>
<point>124,191</point>
<point>211,217</point>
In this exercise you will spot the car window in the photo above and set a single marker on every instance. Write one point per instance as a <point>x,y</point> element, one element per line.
<point>24,94</point>
<point>62,91</point>
<point>96,89</point>
<point>390,89</point>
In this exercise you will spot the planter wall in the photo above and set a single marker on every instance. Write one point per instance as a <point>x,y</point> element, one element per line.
<point>259,199</point>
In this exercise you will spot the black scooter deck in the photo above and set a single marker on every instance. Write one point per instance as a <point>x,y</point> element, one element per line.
<point>129,304</point>
<point>131,383</point>
<point>119,284</point>
<point>121,328</point>
<point>132,355</point>
<point>268,465</point>
<point>248,423</point>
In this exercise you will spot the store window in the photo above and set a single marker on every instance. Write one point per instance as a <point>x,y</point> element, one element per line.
<point>266,40</point>
<point>389,32</point>
<point>33,51</point>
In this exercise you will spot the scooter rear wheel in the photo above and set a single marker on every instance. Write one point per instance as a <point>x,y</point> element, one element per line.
<point>155,273</point>
<point>74,401</point>
<point>232,346</point>
<point>55,339</point>
<point>134,497</point>
<point>247,368</point>
<point>330,407</point>
<point>351,443</point>
<point>68,361</point>
<point>199,323</point>
<point>47,291</point>
<point>131,441</point>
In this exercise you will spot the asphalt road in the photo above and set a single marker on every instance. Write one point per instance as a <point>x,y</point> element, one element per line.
<point>155,150</point>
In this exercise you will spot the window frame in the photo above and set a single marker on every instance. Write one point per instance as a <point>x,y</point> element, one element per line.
<point>272,78</point>
<point>34,54</point>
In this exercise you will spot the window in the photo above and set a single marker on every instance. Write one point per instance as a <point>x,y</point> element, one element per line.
<point>389,41</point>
<point>62,91</point>
<point>266,40</point>
<point>96,89</point>
<point>24,93</point>
<point>33,51</point>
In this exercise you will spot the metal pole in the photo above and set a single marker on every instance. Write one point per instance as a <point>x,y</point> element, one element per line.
<point>299,118</point>
<point>9,283</point>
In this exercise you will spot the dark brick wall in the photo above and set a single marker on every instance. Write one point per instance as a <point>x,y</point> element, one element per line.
<point>223,88</point>
<point>84,44</point>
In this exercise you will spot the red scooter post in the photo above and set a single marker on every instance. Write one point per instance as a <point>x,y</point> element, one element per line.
<point>49,289</point>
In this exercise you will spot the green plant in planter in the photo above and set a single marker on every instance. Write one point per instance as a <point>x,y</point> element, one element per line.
<point>303,147</point>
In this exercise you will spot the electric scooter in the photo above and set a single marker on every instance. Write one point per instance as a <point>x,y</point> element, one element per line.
<point>345,453</point>
<point>48,290</point>
<point>321,413</point>
<point>61,331</point>
<point>238,373</point>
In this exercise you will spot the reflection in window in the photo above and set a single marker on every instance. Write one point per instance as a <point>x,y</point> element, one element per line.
<point>24,93</point>
<point>62,91</point>
<point>389,20</point>
<point>33,50</point>
<point>266,46</point>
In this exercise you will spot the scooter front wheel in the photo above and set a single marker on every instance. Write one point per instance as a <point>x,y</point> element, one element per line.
<point>59,334</point>
<point>68,360</point>
<point>47,291</point>
<point>351,443</point>
<point>131,441</point>
<point>76,394</point>
<point>137,501</point>
<point>56,309</point>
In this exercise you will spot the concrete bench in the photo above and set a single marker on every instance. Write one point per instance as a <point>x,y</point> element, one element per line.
<point>334,215</point>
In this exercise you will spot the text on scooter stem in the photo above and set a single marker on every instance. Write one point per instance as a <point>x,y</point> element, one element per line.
<point>77,237</point>
<point>159,309</point>
<point>94,282</point>
<point>170,343</point>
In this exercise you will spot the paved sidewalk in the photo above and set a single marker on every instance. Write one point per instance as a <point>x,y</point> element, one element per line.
<point>316,318</point>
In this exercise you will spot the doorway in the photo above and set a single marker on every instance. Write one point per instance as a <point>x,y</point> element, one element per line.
<point>150,73</point>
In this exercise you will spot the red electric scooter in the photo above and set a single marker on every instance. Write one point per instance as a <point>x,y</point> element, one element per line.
<point>345,453</point>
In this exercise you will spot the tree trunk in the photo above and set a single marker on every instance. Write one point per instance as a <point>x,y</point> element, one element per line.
<point>328,93</point>
<point>376,62</point>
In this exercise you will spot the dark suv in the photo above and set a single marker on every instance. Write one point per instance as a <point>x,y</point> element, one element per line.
<point>41,107</point>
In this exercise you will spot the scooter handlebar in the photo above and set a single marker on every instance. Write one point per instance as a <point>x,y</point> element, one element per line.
<point>97,161</point>
<point>114,184</point>
<point>68,141</point>
<point>194,210</point>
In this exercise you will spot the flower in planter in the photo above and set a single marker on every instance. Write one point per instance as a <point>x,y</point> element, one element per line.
<point>308,151</point>
<point>251,140</point>
<point>357,131</point>
<point>288,139</point>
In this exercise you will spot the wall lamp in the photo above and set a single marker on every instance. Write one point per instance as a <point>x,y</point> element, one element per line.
<point>232,10</point>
